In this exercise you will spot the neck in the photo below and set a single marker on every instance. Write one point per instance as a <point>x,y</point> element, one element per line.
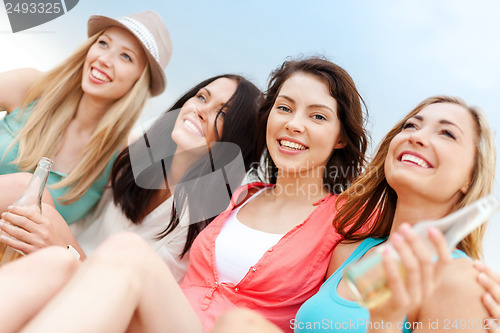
<point>89,112</point>
<point>415,209</point>
<point>300,188</point>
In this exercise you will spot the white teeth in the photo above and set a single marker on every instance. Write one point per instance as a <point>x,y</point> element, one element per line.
<point>292,145</point>
<point>415,159</point>
<point>100,76</point>
<point>193,127</point>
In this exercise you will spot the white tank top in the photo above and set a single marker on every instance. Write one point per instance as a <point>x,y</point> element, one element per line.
<point>239,247</point>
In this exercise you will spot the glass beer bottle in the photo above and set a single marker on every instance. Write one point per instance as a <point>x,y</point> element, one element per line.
<point>32,197</point>
<point>366,278</point>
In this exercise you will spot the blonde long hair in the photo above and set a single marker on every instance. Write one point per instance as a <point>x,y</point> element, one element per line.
<point>58,93</point>
<point>370,198</point>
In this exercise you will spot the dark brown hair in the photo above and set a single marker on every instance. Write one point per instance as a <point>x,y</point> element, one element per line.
<point>133,192</point>
<point>344,164</point>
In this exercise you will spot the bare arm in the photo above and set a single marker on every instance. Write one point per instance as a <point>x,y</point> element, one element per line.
<point>14,86</point>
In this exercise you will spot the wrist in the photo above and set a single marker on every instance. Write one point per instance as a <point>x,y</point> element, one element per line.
<point>74,252</point>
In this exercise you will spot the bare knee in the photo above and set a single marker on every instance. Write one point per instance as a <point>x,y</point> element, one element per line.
<point>125,257</point>
<point>44,263</point>
<point>56,259</point>
<point>124,243</point>
<point>123,249</point>
<point>245,321</point>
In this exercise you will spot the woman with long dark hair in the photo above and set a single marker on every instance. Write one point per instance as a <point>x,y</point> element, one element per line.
<point>269,250</point>
<point>163,183</point>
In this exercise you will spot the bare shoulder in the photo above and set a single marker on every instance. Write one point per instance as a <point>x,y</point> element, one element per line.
<point>457,298</point>
<point>14,86</point>
<point>340,255</point>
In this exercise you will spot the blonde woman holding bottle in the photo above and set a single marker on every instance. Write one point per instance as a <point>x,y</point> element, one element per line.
<point>79,114</point>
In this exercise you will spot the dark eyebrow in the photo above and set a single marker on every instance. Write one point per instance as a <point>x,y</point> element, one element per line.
<point>291,100</point>
<point>210,94</point>
<point>321,106</point>
<point>442,122</point>
<point>208,91</point>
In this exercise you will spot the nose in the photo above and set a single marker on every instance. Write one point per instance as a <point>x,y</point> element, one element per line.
<point>105,59</point>
<point>295,124</point>
<point>201,112</point>
<point>419,137</point>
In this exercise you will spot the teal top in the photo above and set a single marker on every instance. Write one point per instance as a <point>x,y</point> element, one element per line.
<point>326,311</point>
<point>10,126</point>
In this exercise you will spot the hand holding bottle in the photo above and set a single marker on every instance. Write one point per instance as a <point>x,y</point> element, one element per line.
<point>490,280</point>
<point>30,199</point>
<point>413,278</point>
<point>366,278</point>
<point>28,229</point>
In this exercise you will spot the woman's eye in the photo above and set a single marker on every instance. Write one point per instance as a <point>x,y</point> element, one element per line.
<point>448,134</point>
<point>201,98</point>
<point>409,125</point>
<point>103,43</point>
<point>319,117</point>
<point>283,108</point>
<point>126,57</point>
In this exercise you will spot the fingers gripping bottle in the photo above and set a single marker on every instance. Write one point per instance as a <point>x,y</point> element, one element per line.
<point>32,197</point>
<point>366,278</point>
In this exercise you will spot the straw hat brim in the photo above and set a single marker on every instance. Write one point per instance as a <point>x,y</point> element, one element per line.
<point>97,23</point>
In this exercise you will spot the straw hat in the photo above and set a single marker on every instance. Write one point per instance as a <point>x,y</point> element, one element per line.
<point>151,31</point>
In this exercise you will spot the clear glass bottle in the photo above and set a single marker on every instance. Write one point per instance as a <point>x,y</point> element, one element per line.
<point>366,278</point>
<point>32,197</point>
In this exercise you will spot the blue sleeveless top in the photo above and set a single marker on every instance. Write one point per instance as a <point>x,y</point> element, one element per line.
<point>326,311</point>
<point>10,126</point>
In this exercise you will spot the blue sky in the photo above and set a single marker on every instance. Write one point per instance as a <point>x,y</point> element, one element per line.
<point>398,52</point>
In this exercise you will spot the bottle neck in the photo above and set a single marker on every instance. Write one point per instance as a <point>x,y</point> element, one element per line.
<point>32,196</point>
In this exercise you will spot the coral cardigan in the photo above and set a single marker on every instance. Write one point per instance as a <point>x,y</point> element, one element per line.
<point>287,275</point>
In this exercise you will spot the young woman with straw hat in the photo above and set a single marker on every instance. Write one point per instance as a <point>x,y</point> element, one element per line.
<point>80,113</point>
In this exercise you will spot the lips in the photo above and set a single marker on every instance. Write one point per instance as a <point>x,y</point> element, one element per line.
<point>291,144</point>
<point>99,76</point>
<point>414,158</point>
<point>193,127</point>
